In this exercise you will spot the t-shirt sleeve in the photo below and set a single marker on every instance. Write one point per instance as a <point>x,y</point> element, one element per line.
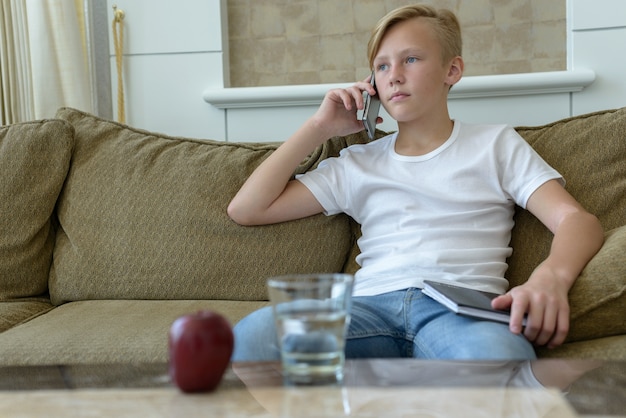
<point>523,170</point>
<point>326,183</point>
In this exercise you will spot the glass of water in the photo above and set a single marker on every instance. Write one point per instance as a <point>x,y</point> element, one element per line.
<point>312,314</point>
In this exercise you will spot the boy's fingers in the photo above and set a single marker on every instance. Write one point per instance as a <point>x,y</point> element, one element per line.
<point>519,307</point>
<point>562,329</point>
<point>548,329</point>
<point>502,302</point>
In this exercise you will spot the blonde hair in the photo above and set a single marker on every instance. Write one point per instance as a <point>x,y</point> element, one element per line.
<point>443,21</point>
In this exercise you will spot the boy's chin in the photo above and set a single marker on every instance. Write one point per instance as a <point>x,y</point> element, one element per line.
<point>404,119</point>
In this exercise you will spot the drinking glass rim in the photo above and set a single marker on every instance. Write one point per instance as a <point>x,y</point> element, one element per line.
<point>306,280</point>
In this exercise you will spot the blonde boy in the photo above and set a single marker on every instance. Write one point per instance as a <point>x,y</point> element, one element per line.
<point>435,201</point>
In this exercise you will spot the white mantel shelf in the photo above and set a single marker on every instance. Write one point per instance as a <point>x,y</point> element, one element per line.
<point>570,81</point>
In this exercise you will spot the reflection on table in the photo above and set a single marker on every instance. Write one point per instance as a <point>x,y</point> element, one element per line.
<point>386,387</point>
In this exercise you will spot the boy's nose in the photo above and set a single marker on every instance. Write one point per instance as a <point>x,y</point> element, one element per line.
<point>395,76</point>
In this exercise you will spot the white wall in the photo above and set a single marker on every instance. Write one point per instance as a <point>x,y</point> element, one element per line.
<point>273,113</point>
<point>176,74</point>
<point>597,40</point>
<point>173,51</point>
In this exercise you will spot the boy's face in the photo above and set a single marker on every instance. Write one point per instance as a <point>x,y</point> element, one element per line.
<point>411,77</point>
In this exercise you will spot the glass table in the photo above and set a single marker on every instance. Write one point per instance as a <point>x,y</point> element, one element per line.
<point>373,387</point>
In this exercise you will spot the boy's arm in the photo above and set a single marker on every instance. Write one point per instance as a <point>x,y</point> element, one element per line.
<point>269,196</point>
<point>578,236</point>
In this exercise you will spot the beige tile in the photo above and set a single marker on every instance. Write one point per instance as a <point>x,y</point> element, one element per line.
<point>337,52</point>
<point>512,11</point>
<point>513,66</point>
<point>453,5</point>
<point>272,41</point>
<point>475,12</point>
<point>333,76</point>
<point>513,41</point>
<point>549,40</point>
<point>301,18</point>
<point>479,68</point>
<point>270,56</point>
<point>272,79</point>
<point>266,19</point>
<point>548,64</point>
<point>242,62</point>
<point>548,10</point>
<point>238,22</point>
<point>366,13</point>
<point>360,40</point>
<point>479,43</point>
<point>336,17</point>
<point>304,77</point>
<point>394,4</point>
<point>238,3</point>
<point>360,73</point>
<point>303,54</point>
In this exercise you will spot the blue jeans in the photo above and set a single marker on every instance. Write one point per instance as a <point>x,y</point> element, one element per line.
<point>404,323</point>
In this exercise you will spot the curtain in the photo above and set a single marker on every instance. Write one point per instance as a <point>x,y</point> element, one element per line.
<point>44,60</point>
<point>14,62</point>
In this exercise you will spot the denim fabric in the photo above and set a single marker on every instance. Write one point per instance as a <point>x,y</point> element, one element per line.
<point>403,323</point>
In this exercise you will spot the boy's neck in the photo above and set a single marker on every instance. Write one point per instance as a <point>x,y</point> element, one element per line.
<point>416,139</point>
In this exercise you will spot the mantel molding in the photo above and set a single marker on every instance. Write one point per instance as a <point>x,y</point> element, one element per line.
<point>570,81</point>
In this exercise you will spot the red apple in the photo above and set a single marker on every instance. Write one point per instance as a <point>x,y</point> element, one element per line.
<point>200,346</point>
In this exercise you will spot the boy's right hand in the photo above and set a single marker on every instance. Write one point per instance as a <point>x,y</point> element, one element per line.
<point>337,115</point>
<point>270,195</point>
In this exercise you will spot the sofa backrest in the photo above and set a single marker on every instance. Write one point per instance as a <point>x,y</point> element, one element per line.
<point>143,216</point>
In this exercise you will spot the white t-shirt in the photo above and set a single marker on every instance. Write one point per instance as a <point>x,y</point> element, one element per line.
<point>446,215</point>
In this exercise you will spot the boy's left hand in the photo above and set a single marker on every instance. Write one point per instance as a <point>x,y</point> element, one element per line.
<point>545,301</point>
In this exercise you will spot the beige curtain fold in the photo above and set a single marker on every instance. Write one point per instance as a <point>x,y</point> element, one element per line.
<point>15,86</point>
<point>44,63</point>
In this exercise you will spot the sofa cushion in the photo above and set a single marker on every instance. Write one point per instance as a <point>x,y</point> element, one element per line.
<point>598,297</point>
<point>143,216</point>
<point>106,331</point>
<point>610,349</point>
<point>34,160</point>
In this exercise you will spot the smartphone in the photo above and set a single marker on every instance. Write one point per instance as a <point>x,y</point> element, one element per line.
<point>370,111</point>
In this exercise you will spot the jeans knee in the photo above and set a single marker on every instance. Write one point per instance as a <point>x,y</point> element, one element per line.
<point>468,339</point>
<point>255,337</point>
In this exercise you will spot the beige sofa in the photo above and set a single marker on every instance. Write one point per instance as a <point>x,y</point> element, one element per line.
<point>108,233</point>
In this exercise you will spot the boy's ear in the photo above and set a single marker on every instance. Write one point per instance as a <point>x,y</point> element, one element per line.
<point>455,71</point>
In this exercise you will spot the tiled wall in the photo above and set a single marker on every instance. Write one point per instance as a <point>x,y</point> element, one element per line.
<point>282,42</point>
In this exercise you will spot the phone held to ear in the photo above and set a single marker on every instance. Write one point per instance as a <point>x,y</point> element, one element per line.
<point>370,112</point>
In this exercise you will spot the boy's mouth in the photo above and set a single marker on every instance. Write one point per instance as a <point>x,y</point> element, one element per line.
<point>397,96</point>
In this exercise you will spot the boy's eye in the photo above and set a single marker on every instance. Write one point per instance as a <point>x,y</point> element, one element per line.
<point>411,60</point>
